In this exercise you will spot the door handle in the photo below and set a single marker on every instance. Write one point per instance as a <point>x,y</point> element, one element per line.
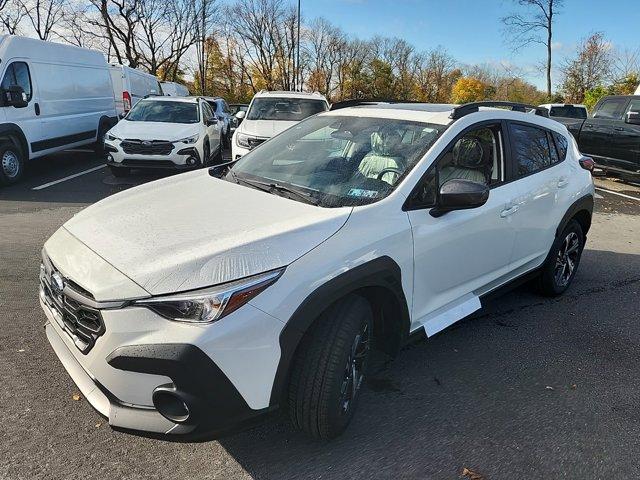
<point>587,125</point>
<point>563,182</point>
<point>509,211</point>
<point>618,129</point>
<point>36,107</point>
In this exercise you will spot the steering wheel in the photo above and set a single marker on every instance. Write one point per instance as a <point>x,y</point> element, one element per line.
<point>384,171</point>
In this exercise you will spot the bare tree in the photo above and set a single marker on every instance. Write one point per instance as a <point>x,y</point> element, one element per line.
<point>11,14</point>
<point>119,22</point>
<point>204,14</point>
<point>534,25</point>
<point>43,15</point>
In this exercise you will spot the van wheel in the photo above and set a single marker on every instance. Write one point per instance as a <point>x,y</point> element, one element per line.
<point>98,147</point>
<point>329,369</point>
<point>11,163</point>
<point>562,263</point>
<point>119,171</point>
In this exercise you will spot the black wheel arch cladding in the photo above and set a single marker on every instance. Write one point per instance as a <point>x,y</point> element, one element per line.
<point>382,275</point>
<point>581,210</point>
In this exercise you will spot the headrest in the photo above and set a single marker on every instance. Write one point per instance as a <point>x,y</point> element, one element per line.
<point>468,153</point>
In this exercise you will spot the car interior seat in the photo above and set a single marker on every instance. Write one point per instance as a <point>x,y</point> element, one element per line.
<point>469,162</point>
<point>384,154</point>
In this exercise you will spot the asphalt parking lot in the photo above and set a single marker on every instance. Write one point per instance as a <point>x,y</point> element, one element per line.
<point>526,388</point>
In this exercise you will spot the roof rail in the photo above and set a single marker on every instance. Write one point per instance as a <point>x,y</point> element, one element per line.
<point>365,101</point>
<point>467,108</point>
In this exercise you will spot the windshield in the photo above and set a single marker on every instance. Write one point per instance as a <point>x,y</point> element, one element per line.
<point>568,111</point>
<point>291,109</point>
<point>338,160</point>
<point>238,108</point>
<point>164,111</point>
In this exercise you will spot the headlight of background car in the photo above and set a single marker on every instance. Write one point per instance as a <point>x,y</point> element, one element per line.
<point>210,304</point>
<point>110,136</point>
<point>189,140</point>
<point>244,140</point>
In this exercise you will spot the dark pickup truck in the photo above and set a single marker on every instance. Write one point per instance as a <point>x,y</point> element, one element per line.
<point>611,135</point>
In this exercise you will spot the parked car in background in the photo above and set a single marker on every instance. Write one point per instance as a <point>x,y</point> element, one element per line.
<point>165,132</point>
<point>566,110</point>
<point>190,306</point>
<point>131,85</point>
<point>611,135</point>
<point>174,89</point>
<point>235,109</point>
<point>224,115</point>
<point>53,97</point>
<point>270,113</point>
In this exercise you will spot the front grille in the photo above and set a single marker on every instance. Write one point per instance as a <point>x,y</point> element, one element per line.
<point>146,147</point>
<point>81,322</point>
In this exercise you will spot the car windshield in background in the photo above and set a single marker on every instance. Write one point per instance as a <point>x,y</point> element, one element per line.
<point>568,111</point>
<point>290,109</point>
<point>337,160</point>
<point>164,111</point>
<point>238,108</point>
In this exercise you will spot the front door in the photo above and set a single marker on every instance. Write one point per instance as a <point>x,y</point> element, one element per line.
<point>18,72</point>
<point>461,251</point>
<point>597,132</point>
<point>626,142</point>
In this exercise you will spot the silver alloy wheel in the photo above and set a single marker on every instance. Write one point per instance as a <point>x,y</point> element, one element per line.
<point>354,369</point>
<point>567,259</point>
<point>10,164</point>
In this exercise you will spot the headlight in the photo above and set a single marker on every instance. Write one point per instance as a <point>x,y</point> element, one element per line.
<point>110,136</point>
<point>210,304</point>
<point>189,140</point>
<point>245,140</point>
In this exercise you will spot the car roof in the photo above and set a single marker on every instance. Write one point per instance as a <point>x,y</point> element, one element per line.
<point>286,94</point>
<point>547,105</point>
<point>162,98</point>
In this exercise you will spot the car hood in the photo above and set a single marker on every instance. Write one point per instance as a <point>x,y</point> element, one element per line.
<point>154,130</point>
<point>264,128</point>
<point>192,230</point>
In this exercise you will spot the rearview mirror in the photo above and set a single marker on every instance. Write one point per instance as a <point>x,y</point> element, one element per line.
<point>14,96</point>
<point>633,118</point>
<point>458,194</point>
<point>240,114</point>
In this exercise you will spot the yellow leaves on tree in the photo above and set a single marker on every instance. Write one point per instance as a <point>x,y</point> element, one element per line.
<point>468,89</point>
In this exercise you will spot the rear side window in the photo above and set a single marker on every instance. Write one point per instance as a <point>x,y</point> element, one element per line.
<point>17,73</point>
<point>561,145</point>
<point>530,149</point>
<point>611,108</point>
<point>568,111</point>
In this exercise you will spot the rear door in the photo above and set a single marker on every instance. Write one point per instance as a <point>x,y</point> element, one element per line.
<point>20,72</point>
<point>597,132</point>
<point>540,178</point>
<point>626,141</point>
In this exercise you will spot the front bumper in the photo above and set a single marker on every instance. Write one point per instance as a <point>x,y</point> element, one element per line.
<point>182,157</point>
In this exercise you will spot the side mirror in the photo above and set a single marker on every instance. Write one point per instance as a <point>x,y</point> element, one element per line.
<point>221,169</point>
<point>240,114</point>
<point>458,194</point>
<point>212,121</point>
<point>14,96</point>
<point>633,118</point>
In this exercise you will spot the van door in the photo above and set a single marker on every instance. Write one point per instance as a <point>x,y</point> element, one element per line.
<point>18,72</point>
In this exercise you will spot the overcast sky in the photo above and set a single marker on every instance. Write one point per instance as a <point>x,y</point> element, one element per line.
<point>471,29</point>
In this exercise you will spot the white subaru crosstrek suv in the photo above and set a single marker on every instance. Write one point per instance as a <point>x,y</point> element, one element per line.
<point>270,113</point>
<point>165,132</point>
<point>349,231</point>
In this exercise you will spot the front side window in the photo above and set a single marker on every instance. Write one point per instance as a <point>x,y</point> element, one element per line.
<point>611,108</point>
<point>530,149</point>
<point>17,73</point>
<point>207,114</point>
<point>288,109</point>
<point>475,156</point>
<point>634,106</point>
<point>338,160</point>
<point>164,111</point>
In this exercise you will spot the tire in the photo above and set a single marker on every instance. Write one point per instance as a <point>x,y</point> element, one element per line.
<point>226,139</point>
<point>12,163</point>
<point>563,260</point>
<point>119,171</point>
<point>206,154</point>
<point>322,392</point>
<point>98,147</point>
<point>217,157</point>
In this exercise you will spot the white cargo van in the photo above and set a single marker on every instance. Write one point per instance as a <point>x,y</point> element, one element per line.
<point>52,97</point>
<point>638,90</point>
<point>173,89</point>
<point>130,85</point>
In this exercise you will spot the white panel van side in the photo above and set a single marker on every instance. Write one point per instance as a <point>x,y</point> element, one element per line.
<point>174,89</point>
<point>130,85</point>
<point>52,97</point>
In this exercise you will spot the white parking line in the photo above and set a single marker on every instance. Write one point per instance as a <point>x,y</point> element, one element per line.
<point>55,182</point>
<point>619,194</point>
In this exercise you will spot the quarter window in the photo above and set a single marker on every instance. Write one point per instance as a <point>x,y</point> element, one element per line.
<point>561,144</point>
<point>530,148</point>
<point>17,73</point>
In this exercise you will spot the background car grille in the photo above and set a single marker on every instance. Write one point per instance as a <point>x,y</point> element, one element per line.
<point>82,323</point>
<point>146,147</point>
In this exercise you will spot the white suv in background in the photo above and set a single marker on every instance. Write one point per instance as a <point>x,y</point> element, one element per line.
<point>270,113</point>
<point>165,132</point>
<point>347,232</point>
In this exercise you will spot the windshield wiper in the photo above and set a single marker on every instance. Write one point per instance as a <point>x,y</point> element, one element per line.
<point>271,186</point>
